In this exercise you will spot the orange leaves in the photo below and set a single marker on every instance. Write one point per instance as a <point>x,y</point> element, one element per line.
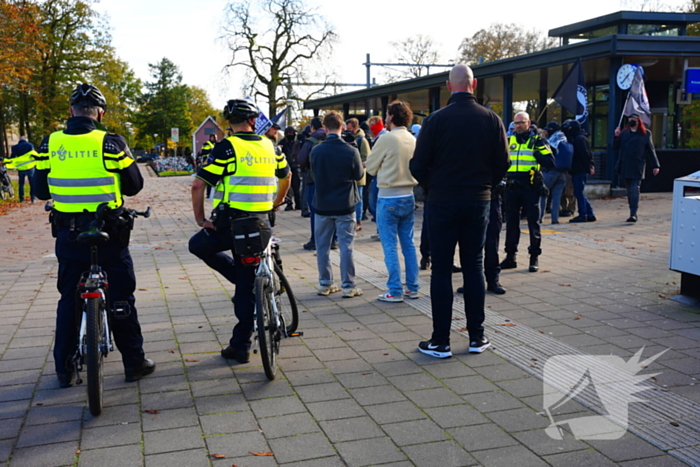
<point>262,453</point>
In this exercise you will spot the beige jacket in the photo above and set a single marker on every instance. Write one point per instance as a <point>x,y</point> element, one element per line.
<point>389,161</point>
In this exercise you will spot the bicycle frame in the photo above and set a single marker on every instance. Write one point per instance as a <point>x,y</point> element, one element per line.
<point>94,285</point>
<point>266,269</point>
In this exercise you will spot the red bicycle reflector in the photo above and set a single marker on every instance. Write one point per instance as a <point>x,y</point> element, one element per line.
<point>91,295</point>
<point>248,260</point>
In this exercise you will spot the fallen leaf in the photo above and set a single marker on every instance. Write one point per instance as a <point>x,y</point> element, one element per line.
<point>171,351</point>
<point>541,332</point>
<point>39,403</point>
<point>367,373</point>
<point>386,354</point>
<point>506,324</point>
<point>662,296</point>
<point>143,289</point>
<point>578,317</point>
<point>218,456</point>
<point>675,424</point>
<point>78,451</point>
<point>463,330</point>
<point>152,411</point>
<point>653,380</point>
<point>262,453</point>
<point>533,359</point>
<point>565,285</point>
<point>304,311</point>
<point>191,360</point>
<point>200,327</point>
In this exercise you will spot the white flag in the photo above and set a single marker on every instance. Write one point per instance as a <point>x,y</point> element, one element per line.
<point>638,102</point>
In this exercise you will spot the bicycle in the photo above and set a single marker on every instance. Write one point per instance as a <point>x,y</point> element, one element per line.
<point>95,336</point>
<point>276,312</point>
<point>6,189</point>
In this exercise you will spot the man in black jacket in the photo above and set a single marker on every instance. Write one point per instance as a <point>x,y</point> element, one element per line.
<point>337,168</point>
<point>318,134</point>
<point>290,138</point>
<point>461,153</point>
<point>581,165</point>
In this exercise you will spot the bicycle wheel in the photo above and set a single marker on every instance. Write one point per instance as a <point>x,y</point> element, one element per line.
<point>268,334</point>
<point>8,191</point>
<point>286,304</point>
<point>94,356</point>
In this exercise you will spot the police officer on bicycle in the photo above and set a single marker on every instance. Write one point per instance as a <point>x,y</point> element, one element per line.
<point>81,168</point>
<point>244,172</point>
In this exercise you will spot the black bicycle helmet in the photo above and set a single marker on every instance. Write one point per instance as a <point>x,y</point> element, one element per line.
<point>87,95</point>
<point>241,108</point>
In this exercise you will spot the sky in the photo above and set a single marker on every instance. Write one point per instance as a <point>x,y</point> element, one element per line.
<point>188,32</point>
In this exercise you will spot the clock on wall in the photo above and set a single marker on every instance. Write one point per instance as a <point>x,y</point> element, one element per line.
<point>625,75</point>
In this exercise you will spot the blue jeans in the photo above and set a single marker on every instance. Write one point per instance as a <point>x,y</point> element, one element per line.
<point>326,227</point>
<point>395,217</point>
<point>462,222</point>
<point>632,185</point>
<point>584,207</point>
<point>29,174</point>
<point>555,182</point>
<point>358,207</point>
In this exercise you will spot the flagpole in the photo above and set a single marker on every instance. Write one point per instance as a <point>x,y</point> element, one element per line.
<point>543,111</point>
<point>623,109</point>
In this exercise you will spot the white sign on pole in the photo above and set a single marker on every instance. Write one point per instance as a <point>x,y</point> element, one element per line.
<point>175,135</point>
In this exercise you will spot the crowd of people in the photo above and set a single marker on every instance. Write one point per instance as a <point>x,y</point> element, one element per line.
<point>341,173</point>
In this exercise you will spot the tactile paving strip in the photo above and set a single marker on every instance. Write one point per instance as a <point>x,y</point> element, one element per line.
<point>529,350</point>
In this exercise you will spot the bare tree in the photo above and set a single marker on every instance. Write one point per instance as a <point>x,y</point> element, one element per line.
<point>501,41</point>
<point>274,40</point>
<point>416,50</point>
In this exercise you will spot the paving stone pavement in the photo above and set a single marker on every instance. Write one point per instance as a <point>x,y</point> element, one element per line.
<point>353,391</point>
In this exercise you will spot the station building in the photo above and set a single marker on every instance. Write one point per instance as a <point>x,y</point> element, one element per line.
<point>658,42</point>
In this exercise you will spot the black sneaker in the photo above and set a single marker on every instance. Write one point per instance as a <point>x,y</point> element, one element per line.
<point>578,219</point>
<point>241,356</point>
<point>311,246</point>
<point>334,246</point>
<point>632,219</point>
<point>591,219</point>
<point>438,351</point>
<point>65,380</point>
<point>147,367</point>
<point>479,345</point>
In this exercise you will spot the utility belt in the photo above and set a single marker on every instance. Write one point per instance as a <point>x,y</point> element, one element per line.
<point>118,224</point>
<point>250,231</point>
<point>532,180</point>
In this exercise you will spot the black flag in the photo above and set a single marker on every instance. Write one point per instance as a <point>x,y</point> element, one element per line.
<point>572,95</point>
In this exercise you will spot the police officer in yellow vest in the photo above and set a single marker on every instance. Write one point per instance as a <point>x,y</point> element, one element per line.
<point>244,173</point>
<point>80,168</point>
<point>206,150</point>
<point>524,184</point>
<point>22,159</point>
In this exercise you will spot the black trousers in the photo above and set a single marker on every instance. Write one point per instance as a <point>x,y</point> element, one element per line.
<point>519,197</point>
<point>452,223</point>
<point>212,247</point>
<point>73,260</point>
<point>492,268</point>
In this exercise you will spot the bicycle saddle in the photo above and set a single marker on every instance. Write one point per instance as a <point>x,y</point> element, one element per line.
<point>94,236</point>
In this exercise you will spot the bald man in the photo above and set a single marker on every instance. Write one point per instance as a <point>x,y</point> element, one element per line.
<point>528,153</point>
<point>461,153</point>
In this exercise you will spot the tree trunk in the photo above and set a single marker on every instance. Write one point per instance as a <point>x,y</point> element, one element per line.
<point>4,149</point>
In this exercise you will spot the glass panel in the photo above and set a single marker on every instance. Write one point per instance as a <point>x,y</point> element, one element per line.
<point>653,29</point>
<point>592,34</point>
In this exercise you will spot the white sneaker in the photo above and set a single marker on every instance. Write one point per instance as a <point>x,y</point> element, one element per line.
<point>349,292</point>
<point>412,294</point>
<point>387,297</point>
<point>326,290</point>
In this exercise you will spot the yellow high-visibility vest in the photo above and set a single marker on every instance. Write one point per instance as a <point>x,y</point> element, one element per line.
<point>522,157</point>
<point>249,182</point>
<point>78,179</point>
<point>24,162</point>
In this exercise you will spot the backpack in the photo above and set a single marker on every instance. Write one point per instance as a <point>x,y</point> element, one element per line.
<point>564,156</point>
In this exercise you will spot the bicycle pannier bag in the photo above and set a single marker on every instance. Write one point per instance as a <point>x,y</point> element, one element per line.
<point>250,235</point>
